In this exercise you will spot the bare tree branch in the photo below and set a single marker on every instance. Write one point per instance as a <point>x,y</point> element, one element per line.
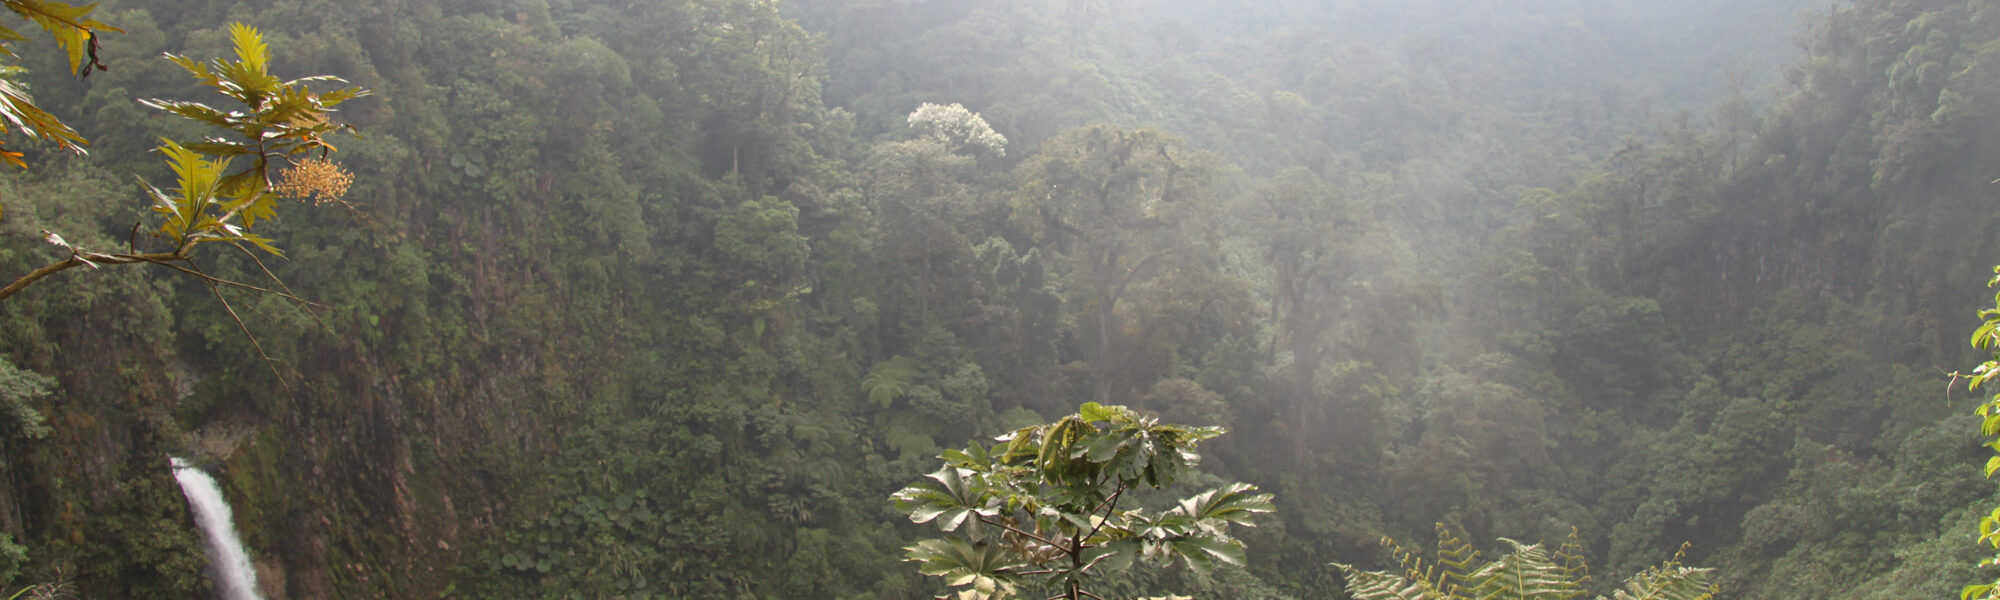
<point>216,288</point>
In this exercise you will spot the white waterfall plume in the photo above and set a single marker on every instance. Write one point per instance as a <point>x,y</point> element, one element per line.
<point>234,578</point>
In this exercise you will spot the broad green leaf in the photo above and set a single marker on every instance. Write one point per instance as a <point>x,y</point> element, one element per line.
<point>1092,411</point>
<point>963,563</point>
<point>1115,557</point>
<point>1233,503</point>
<point>1199,553</point>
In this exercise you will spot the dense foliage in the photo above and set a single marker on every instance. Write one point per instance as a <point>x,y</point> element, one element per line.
<point>1526,571</point>
<point>662,299</point>
<point>1987,337</point>
<point>1042,510</point>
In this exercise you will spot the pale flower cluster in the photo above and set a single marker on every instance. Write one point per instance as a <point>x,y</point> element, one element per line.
<point>315,180</point>
<point>957,128</point>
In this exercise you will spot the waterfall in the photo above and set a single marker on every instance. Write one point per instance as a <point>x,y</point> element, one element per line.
<point>234,579</point>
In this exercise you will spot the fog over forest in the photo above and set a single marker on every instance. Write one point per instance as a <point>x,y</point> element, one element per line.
<point>1030,299</point>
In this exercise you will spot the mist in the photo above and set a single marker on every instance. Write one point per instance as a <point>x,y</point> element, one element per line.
<point>901,299</point>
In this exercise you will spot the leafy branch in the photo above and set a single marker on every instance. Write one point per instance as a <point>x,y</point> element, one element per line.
<point>1053,492</point>
<point>1987,337</point>
<point>224,185</point>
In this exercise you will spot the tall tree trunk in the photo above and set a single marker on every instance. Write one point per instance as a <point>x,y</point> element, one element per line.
<point>1104,316</point>
<point>1303,336</point>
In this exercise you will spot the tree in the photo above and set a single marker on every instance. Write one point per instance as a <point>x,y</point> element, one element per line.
<point>1987,337</point>
<point>220,199</point>
<point>1042,507</point>
<point>1311,239</point>
<point>1526,572</point>
<point>957,128</point>
<point>1117,203</point>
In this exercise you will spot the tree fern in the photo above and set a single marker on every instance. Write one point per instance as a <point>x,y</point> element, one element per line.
<point>1527,572</point>
<point>889,379</point>
<point>1669,581</point>
<point>1570,558</point>
<point>1382,585</point>
<point>1456,561</point>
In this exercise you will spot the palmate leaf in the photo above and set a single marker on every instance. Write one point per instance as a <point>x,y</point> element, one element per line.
<point>1094,412</point>
<point>1135,448</point>
<point>952,498</point>
<point>1113,557</point>
<point>1050,490</point>
<point>1233,503</point>
<point>1058,441</point>
<point>1201,551</point>
<point>983,566</point>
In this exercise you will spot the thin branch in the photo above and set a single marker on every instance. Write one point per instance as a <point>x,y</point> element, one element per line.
<point>1109,503</point>
<point>168,263</point>
<point>164,259</point>
<point>281,285</point>
<point>1006,526</point>
<point>272,363</point>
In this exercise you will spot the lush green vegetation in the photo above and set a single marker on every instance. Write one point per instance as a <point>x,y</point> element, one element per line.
<point>1042,510</point>
<point>664,299</point>
<point>1987,337</point>
<point>1525,571</point>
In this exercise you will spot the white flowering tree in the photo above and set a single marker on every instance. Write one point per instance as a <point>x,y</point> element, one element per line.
<point>960,130</point>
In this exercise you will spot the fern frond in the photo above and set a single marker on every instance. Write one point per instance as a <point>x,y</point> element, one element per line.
<point>1669,581</point>
<point>889,379</point>
<point>1569,558</point>
<point>1383,585</point>
<point>1412,563</point>
<point>1527,573</point>
<point>1457,560</point>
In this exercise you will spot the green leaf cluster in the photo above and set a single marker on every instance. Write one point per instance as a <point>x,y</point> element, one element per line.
<point>1987,337</point>
<point>76,33</point>
<point>1525,572</point>
<point>277,121</point>
<point>1042,507</point>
